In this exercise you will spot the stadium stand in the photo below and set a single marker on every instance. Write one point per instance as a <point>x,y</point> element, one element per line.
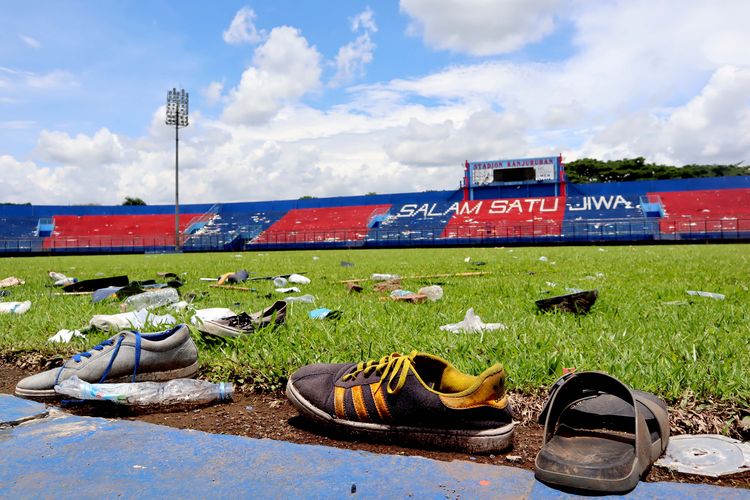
<point>114,230</point>
<point>507,218</point>
<point>605,217</point>
<point>704,211</point>
<point>413,222</point>
<point>322,225</point>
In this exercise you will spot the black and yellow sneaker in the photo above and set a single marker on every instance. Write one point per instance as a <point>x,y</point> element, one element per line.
<point>420,399</point>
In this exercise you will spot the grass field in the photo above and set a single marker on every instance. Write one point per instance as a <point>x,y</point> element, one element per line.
<point>702,346</point>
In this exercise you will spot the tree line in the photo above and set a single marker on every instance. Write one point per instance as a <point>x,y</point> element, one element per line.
<point>588,170</point>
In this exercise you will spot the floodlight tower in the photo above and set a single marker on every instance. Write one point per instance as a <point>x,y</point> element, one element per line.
<point>177,115</point>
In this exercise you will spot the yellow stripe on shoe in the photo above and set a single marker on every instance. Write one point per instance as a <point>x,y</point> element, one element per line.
<point>380,404</point>
<point>359,404</point>
<point>338,401</point>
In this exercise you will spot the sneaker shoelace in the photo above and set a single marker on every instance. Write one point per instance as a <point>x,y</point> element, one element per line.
<point>100,347</point>
<point>391,368</point>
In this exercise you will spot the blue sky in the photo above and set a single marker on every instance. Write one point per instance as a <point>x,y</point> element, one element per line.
<point>346,97</point>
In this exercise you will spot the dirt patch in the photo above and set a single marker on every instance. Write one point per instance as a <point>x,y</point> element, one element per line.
<point>270,415</point>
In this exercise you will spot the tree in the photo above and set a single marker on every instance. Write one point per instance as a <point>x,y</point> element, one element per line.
<point>307,197</point>
<point>371,193</point>
<point>133,201</point>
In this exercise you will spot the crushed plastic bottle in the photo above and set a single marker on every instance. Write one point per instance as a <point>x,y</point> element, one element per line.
<point>433,292</point>
<point>178,391</point>
<point>15,307</point>
<point>137,320</point>
<point>710,295</point>
<point>279,282</point>
<point>149,300</point>
<point>305,299</point>
<point>384,277</point>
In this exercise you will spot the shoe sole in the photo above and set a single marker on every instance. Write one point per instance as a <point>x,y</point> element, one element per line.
<point>468,440</point>
<point>187,372</point>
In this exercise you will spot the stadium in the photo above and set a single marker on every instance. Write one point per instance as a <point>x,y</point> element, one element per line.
<point>513,201</point>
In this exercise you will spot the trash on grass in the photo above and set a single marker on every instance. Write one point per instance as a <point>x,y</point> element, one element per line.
<point>64,336</point>
<point>133,319</point>
<point>60,279</point>
<point>15,307</point>
<point>280,282</point>
<point>543,258</point>
<point>4,293</point>
<point>180,306</point>
<point>344,263</point>
<point>95,284</point>
<point>472,324</point>
<point>324,313</point>
<point>353,287</point>
<point>574,290</point>
<point>178,391</point>
<point>149,300</point>
<point>304,299</point>
<point>384,277</point>
<point>710,295</point>
<point>577,303</point>
<point>710,455</point>
<point>236,277</point>
<point>387,286</point>
<point>299,279</point>
<point>676,303</point>
<point>291,289</point>
<point>467,259</point>
<point>11,281</point>
<point>105,293</point>
<point>211,314</point>
<point>433,292</point>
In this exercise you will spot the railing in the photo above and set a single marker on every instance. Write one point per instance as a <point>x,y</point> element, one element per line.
<point>583,231</point>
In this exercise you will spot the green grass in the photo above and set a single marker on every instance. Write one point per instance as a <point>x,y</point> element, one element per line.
<point>702,347</point>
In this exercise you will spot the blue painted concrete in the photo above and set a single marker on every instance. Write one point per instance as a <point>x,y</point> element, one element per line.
<point>14,410</point>
<point>66,456</point>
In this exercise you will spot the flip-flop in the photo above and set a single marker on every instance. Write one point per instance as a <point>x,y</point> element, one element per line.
<point>599,435</point>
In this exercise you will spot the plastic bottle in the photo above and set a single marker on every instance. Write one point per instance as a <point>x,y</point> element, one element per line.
<point>279,282</point>
<point>305,299</point>
<point>178,391</point>
<point>433,292</point>
<point>15,307</point>
<point>299,279</point>
<point>384,277</point>
<point>148,300</point>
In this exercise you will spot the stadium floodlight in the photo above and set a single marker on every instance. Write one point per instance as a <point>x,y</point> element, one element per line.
<point>177,115</point>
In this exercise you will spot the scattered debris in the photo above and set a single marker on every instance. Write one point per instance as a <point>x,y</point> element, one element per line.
<point>472,324</point>
<point>15,307</point>
<point>237,277</point>
<point>353,287</point>
<point>344,263</point>
<point>467,259</point>
<point>710,455</point>
<point>710,295</point>
<point>151,299</point>
<point>550,284</point>
<point>178,391</point>
<point>514,458</point>
<point>60,279</point>
<point>387,286</point>
<point>543,258</point>
<point>408,296</point>
<point>11,281</point>
<point>280,282</point>
<point>211,314</point>
<point>676,303</point>
<point>478,263</point>
<point>299,279</point>
<point>95,284</point>
<point>574,290</point>
<point>291,289</point>
<point>324,313</point>
<point>427,276</point>
<point>577,302</point>
<point>64,336</point>
<point>384,277</point>
<point>4,293</point>
<point>432,292</point>
<point>133,319</point>
<point>304,299</point>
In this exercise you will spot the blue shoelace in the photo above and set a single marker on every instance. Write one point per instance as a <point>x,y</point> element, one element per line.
<point>87,354</point>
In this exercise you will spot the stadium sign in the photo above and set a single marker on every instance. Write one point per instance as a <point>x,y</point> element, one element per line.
<point>513,171</point>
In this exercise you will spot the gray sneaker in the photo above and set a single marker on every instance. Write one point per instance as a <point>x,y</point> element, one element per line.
<point>129,356</point>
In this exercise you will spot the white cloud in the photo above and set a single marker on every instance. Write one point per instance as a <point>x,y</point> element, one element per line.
<point>242,28</point>
<point>365,21</point>
<point>284,69</point>
<point>213,92</point>
<point>31,42</point>
<point>101,149</point>
<point>480,27</point>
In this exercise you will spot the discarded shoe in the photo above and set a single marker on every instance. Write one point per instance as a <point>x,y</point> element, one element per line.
<point>243,323</point>
<point>129,356</point>
<point>599,435</point>
<point>578,302</point>
<point>419,399</point>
